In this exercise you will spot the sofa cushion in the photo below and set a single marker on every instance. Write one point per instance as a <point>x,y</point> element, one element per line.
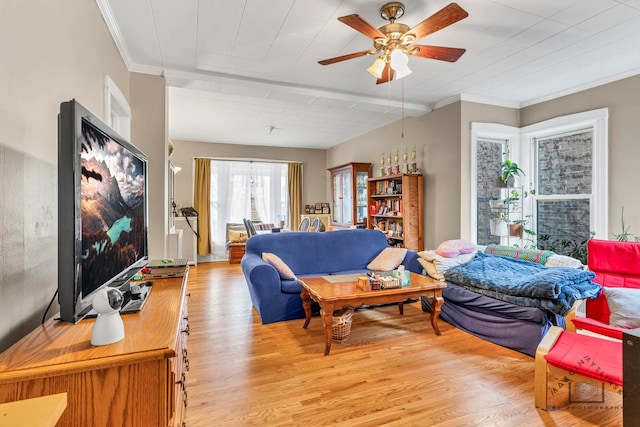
<point>291,286</point>
<point>283,269</point>
<point>236,236</point>
<point>388,259</point>
<point>624,306</point>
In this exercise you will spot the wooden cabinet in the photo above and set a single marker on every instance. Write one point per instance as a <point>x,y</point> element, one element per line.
<point>396,208</point>
<point>139,381</point>
<point>236,252</point>
<point>349,194</point>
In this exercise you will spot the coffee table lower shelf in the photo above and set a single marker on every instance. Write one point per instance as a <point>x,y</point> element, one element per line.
<point>336,295</point>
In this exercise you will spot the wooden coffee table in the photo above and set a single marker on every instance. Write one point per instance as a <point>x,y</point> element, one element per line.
<point>334,295</point>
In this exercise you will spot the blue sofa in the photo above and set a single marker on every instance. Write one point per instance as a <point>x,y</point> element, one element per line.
<point>307,254</point>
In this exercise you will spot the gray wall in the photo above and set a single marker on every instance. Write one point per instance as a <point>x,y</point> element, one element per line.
<point>51,52</point>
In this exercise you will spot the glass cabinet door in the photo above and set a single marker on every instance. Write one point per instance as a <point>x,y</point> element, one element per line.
<point>336,208</point>
<point>349,194</point>
<point>347,198</point>
<point>361,196</point>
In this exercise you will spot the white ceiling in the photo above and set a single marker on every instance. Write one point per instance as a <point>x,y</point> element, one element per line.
<point>235,68</point>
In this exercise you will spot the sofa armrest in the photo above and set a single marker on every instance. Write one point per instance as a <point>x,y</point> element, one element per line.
<point>411,263</point>
<point>259,272</point>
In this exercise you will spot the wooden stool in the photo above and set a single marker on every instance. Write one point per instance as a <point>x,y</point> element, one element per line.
<point>567,356</point>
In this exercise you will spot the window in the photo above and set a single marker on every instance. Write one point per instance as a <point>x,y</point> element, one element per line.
<point>116,108</point>
<point>245,189</point>
<point>565,162</point>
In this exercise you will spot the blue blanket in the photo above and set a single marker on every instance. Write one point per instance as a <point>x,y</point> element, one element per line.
<point>525,283</point>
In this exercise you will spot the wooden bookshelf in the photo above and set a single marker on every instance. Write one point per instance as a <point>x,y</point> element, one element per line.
<point>396,208</point>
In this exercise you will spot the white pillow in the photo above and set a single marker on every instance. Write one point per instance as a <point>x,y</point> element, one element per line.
<point>563,261</point>
<point>388,259</point>
<point>284,270</point>
<point>624,305</point>
<point>436,265</point>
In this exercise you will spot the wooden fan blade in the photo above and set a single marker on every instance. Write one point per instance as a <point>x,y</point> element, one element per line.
<point>443,18</point>
<point>345,57</point>
<point>362,26</point>
<point>387,74</point>
<point>450,54</point>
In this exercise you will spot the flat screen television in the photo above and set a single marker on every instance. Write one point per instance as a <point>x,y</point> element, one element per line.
<point>102,209</point>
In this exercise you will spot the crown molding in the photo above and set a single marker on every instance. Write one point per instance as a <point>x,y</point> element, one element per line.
<point>112,25</point>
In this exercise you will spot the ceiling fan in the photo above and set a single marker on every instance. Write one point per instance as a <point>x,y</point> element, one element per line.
<point>394,41</point>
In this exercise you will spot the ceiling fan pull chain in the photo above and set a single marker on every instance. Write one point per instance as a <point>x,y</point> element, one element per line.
<point>402,124</point>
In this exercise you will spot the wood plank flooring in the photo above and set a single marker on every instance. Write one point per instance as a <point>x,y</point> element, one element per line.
<point>393,370</point>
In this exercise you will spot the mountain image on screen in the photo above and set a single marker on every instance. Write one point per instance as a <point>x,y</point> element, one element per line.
<point>112,205</point>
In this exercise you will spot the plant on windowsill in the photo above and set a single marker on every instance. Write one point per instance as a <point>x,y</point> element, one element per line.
<point>571,246</point>
<point>625,235</point>
<point>508,171</point>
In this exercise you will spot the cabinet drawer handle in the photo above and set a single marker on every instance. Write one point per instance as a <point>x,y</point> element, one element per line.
<point>183,381</point>
<point>187,330</point>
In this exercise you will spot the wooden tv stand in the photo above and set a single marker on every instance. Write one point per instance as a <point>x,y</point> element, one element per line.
<point>139,381</point>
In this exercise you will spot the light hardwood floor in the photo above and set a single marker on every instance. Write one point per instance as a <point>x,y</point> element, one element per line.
<point>393,371</point>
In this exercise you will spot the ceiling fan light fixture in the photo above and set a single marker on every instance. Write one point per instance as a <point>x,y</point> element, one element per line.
<point>402,72</point>
<point>399,59</point>
<point>377,68</point>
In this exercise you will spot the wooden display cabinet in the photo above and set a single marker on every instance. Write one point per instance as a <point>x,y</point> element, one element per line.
<point>396,207</point>
<point>349,194</point>
<point>139,381</point>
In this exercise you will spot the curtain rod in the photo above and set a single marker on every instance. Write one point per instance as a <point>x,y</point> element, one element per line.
<point>242,159</point>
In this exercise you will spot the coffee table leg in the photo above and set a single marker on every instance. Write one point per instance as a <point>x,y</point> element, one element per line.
<point>436,304</point>
<point>326,311</point>
<point>306,304</point>
<point>401,308</point>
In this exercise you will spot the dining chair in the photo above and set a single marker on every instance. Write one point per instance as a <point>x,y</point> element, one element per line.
<point>304,224</point>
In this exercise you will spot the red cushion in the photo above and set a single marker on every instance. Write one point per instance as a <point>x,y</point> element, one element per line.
<point>598,327</point>
<point>589,356</point>
<point>617,265</point>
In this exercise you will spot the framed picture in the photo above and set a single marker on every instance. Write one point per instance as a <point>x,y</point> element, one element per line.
<point>325,210</point>
<point>318,207</point>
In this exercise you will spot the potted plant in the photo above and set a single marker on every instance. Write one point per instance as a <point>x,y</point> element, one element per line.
<point>508,171</point>
<point>499,226</point>
<point>517,227</point>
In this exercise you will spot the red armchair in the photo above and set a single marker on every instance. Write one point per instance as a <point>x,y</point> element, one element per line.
<point>616,265</point>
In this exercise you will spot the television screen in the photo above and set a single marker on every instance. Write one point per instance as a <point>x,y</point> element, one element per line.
<point>112,206</point>
<point>102,209</point>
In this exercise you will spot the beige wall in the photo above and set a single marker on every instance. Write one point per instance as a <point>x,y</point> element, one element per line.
<point>436,137</point>
<point>51,52</point>
<point>313,169</point>
<point>623,100</point>
<point>149,134</point>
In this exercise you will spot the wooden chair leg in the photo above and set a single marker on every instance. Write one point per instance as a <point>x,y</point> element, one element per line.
<point>541,371</point>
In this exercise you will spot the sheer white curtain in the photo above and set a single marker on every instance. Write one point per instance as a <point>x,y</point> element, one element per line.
<point>230,200</point>
<point>232,183</point>
<point>270,186</point>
